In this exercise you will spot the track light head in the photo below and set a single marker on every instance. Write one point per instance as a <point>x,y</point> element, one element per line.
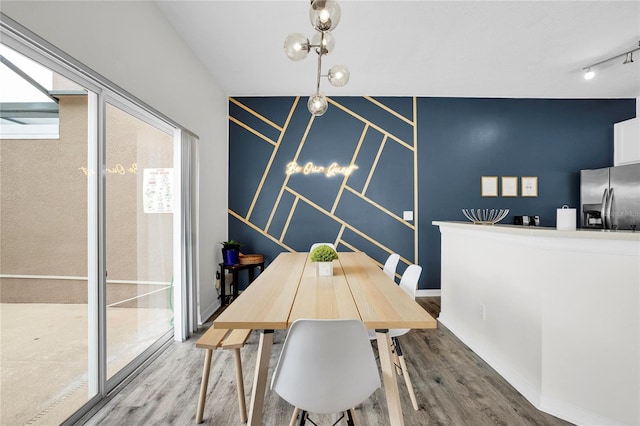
<point>629,58</point>
<point>589,74</point>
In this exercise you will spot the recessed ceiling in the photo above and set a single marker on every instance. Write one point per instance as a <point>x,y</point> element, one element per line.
<point>515,49</point>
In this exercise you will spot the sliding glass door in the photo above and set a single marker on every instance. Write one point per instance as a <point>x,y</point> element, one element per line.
<point>95,265</point>
<point>44,310</point>
<point>139,236</point>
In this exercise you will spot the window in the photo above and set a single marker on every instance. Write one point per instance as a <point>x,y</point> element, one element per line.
<point>29,105</point>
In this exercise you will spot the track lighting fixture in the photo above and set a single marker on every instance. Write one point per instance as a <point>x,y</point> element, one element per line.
<point>628,59</point>
<point>324,16</point>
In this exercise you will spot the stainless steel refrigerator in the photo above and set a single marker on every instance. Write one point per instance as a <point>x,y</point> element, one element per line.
<point>610,198</point>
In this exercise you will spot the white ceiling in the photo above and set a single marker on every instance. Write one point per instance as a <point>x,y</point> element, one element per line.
<point>519,49</point>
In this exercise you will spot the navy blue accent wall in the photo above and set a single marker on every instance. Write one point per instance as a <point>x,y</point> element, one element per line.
<point>458,141</point>
<point>271,211</point>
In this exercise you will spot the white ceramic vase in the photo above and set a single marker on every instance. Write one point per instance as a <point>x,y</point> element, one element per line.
<point>324,269</point>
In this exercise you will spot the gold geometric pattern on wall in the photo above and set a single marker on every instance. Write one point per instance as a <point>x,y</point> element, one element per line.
<point>358,208</point>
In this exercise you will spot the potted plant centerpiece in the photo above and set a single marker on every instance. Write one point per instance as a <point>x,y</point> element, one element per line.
<point>230,252</point>
<point>324,256</point>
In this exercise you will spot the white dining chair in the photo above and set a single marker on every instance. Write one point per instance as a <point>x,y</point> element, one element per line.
<point>326,366</point>
<point>409,283</point>
<point>314,245</point>
<point>390,265</point>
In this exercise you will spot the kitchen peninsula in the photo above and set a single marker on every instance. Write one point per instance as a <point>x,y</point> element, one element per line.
<point>556,313</point>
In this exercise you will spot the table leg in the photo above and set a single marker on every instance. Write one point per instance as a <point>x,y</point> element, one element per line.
<point>389,378</point>
<point>235,284</point>
<point>260,377</point>
<point>222,287</point>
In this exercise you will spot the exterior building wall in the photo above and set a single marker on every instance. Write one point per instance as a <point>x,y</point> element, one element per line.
<point>43,219</point>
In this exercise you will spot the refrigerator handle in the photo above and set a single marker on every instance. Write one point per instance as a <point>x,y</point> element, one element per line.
<point>603,208</point>
<point>609,207</point>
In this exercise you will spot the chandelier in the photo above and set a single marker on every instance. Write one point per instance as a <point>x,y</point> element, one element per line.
<point>324,16</point>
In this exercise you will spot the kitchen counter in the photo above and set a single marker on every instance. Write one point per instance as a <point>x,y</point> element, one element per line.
<point>556,313</point>
<point>540,231</point>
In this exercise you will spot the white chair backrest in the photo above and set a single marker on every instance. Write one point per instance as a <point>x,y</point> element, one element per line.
<point>326,366</point>
<point>390,265</point>
<point>409,280</point>
<point>314,245</point>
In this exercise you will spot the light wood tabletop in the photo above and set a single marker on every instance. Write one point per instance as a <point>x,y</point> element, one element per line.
<point>381,304</point>
<point>323,297</point>
<point>289,289</point>
<point>267,302</point>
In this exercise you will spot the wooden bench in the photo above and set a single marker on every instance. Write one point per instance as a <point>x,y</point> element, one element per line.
<point>225,339</point>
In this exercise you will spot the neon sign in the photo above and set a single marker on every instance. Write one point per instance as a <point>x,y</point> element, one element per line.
<point>118,169</point>
<point>310,168</point>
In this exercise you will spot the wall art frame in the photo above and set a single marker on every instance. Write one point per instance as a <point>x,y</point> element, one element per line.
<point>489,186</point>
<point>509,186</point>
<point>529,186</point>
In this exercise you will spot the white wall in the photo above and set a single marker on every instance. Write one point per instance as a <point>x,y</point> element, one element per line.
<point>131,44</point>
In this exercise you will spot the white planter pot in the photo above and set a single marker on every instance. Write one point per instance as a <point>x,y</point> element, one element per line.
<point>324,269</point>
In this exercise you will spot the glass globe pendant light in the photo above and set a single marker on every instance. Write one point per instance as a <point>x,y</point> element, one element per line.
<point>324,16</point>
<point>296,46</point>
<point>324,41</point>
<point>317,104</point>
<point>338,75</point>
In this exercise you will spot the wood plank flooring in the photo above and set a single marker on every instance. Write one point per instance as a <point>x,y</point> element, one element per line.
<point>452,384</point>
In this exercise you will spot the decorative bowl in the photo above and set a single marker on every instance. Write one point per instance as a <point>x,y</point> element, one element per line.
<point>485,216</point>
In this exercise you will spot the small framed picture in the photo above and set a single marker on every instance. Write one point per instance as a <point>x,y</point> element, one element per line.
<point>529,186</point>
<point>509,186</point>
<point>489,186</point>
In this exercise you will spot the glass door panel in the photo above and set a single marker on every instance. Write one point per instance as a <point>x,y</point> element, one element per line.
<point>139,236</point>
<point>44,311</point>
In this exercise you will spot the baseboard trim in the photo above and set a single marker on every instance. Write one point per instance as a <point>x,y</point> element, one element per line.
<point>207,312</point>
<point>428,293</point>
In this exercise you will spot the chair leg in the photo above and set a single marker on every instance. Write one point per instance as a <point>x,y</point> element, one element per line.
<point>407,380</point>
<point>405,373</point>
<point>352,420</point>
<point>396,359</point>
<point>303,418</point>
<point>242,405</point>
<point>396,362</point>
<point>203,385</point>
<point>292,422</point>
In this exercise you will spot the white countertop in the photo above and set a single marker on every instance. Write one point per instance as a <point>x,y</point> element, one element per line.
<point>540,231</point>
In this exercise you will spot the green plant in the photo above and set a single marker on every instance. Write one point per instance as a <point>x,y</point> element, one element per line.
<point>323,253</point>
<point>231,245</point>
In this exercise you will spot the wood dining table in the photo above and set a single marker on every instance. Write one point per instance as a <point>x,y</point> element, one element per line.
<point>289,289</point>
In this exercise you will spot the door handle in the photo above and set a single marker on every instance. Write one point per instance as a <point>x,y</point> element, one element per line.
<point>603,208</point>
<point>609,207</point>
